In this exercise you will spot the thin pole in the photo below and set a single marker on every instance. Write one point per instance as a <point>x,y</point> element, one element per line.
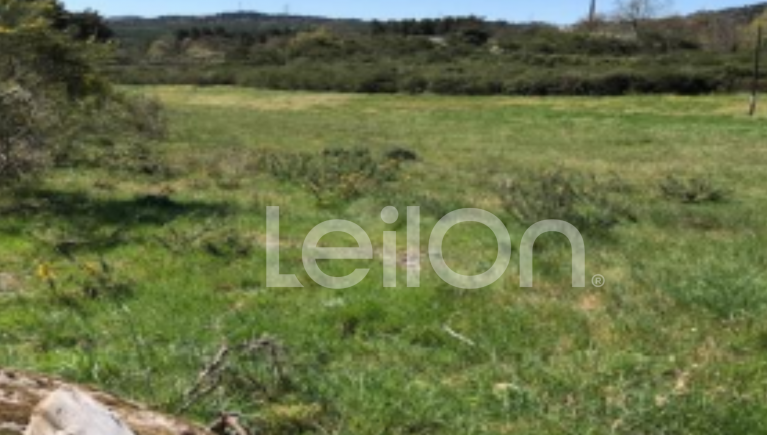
<point>757,62</point>
<point>592,14</point>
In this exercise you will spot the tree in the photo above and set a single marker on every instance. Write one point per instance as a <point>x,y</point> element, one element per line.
<point>670,34</point>
<point>748,37</point>
<point>35,61</point>
<point>476,37</point>
<point>88,25</point>
<point>54,98</point>
<point>182,35</point>
<point>717,32</point>
<point>80,25</point>
<point>635,12</point>
<point>592,13</point>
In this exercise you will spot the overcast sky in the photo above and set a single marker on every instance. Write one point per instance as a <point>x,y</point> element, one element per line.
<point>558,11</point>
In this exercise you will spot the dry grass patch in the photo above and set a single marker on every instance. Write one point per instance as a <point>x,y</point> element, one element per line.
<point>255,100</point>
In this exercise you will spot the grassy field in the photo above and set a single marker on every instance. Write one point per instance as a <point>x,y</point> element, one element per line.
<point>133,283</point>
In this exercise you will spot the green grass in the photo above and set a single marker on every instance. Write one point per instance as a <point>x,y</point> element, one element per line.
<point>675,342</point>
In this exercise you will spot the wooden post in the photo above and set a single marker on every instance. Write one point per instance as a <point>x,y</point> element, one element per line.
<point>592,15</point>
<point>757,65</point>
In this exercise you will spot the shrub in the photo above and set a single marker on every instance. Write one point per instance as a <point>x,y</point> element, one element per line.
<point>525,75</point>
<point>413,84</point>
<point>402,154</point>
<point>449,85</point>
<point>379,82</point>
<point>677,82</point>
<point>335,174</point>
<point>24,123</point>
<point>589,204</point>
<point>694,190</point>
<point>54,101</point>
<point>613,83</point>
<point>116,133</point>
<point>215,78</point>
<point>146,116</point>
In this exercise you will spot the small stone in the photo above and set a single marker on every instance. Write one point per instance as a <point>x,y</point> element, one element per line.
<point>503,388</point>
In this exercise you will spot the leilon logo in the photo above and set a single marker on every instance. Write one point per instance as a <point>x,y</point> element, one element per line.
<point>311,252</point>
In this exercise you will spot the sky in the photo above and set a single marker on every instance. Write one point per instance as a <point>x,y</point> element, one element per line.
<point>555,11</point>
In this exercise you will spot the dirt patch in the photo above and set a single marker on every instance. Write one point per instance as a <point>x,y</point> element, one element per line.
<point>590,303</point>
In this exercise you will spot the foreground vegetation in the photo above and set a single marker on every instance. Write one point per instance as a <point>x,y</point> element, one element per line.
<point>56,106</point>
<point>133,280</point>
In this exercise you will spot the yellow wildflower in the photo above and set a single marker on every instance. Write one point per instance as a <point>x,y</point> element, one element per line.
<point>91,268</point>
<point>45,272</point>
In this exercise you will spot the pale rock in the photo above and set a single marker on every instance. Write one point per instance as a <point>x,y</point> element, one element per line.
<point>22,395</point>
<point>72,412</point>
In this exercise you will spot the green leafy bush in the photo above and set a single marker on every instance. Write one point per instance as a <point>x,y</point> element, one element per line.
<point>116,133</point>
<point>24,123</point>
<point>56,105</point>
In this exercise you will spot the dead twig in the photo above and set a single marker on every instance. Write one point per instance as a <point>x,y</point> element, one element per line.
<point>275,353</point>
<point>212,370</point>
<point>463,339</point>
<point>228,421</point>
<point>211,377</point>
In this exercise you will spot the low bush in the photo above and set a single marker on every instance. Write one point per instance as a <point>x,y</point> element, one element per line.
<point>25,120</point>
<point>591,205</point>
<point>692,190</point>
<point>533,75</point>
<point>413,84</point>
<point>379,82</point>
<point>334,175</point>
<point>118,133</point>
<point>84,280</point>
<point>402,154</point>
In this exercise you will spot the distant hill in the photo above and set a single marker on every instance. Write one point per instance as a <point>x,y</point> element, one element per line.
<point>227,18</point>
<point>742,14</point>
<point>134,29</point>
<point>137,29</point>
<point>139,32</point>
<point>738,15</point>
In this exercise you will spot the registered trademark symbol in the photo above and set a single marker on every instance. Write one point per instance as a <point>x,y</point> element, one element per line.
<point>598,280</point>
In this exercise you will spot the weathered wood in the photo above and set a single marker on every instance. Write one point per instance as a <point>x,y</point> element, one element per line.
<point>593,15</point>
<point>757,72</point>
<point>72,412</point>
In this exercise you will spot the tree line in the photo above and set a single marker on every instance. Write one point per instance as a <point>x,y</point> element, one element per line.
<point>636,42</point>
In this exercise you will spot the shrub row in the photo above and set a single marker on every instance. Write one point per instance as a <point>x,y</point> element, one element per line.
<point>449,81</point>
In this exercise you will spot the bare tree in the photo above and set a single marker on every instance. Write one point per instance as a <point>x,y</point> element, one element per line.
<point>637,11</point>
<point>721,34</point>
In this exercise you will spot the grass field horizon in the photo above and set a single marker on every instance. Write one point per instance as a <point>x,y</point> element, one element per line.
<point>132,283</point>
